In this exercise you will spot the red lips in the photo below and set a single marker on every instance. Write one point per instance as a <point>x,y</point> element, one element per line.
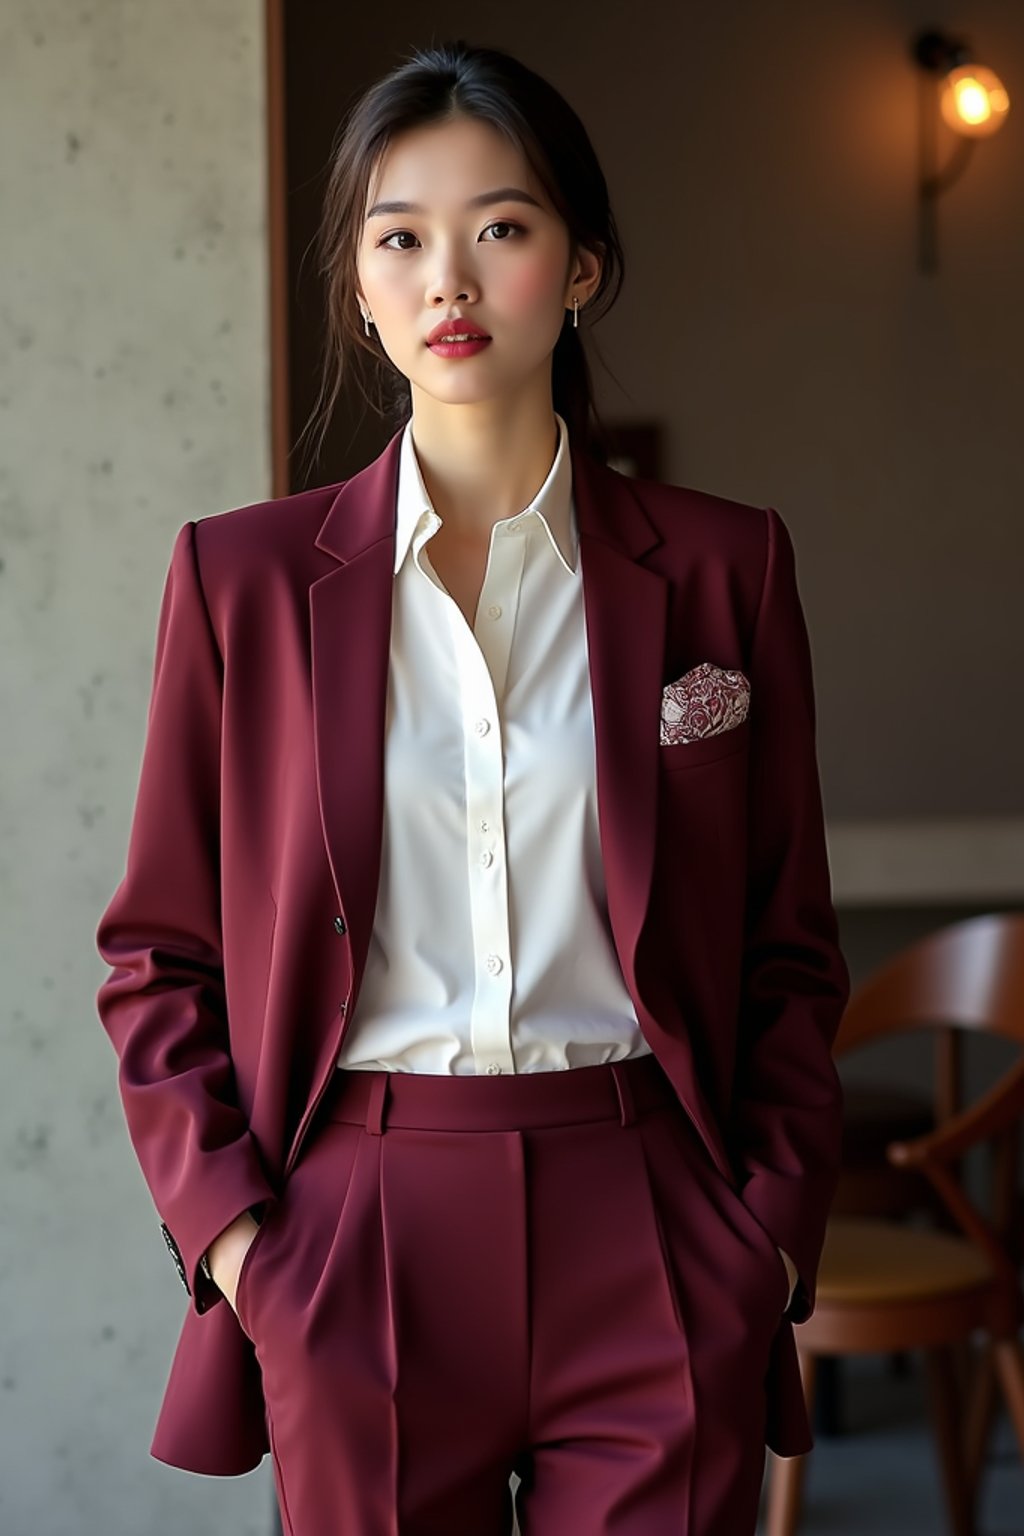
<point>453,326</point>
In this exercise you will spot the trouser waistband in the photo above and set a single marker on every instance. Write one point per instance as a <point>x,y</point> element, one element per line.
<point>430,1101</point>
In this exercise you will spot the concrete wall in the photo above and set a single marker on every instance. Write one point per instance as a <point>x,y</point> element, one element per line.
<point>133,394</point>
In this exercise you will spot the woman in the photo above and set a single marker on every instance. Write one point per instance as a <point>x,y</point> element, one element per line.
<point>474,970</point>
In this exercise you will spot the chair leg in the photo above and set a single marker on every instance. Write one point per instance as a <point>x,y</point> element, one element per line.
<point>978,1417</point>
<point>786,1473</point>
<point>1009,1361</point>
<point>901,1363</point>
<point>943,1401</point>
<point>963,1358</point>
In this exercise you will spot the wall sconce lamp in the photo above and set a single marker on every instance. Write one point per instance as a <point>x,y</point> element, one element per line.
<point>972,100</point>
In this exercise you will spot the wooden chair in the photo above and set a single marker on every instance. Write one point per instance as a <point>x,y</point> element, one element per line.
<point>875,1114</point>
<point>885,1286</point>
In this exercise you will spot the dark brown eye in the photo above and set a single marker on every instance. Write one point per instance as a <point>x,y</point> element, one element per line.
<point>394,236</point>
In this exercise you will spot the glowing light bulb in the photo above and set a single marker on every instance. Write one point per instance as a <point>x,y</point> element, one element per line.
<point>974,101</point>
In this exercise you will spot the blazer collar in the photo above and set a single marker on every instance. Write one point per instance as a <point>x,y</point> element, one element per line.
<point>365,509</point>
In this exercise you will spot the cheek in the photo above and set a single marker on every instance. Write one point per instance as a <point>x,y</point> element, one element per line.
<point>383,279</point>
<point>529,286</point>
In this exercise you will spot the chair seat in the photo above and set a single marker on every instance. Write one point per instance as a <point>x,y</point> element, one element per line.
<point>866,1260</point>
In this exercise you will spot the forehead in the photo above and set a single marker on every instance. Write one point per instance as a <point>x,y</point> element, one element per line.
<point>442,165</point>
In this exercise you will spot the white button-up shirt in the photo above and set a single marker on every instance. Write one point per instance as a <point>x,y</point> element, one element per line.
<point>491,948</point>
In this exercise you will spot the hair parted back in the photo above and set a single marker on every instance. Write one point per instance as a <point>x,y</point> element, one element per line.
<point>433,85</point>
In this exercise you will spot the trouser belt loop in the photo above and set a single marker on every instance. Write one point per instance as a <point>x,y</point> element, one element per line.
<point>375,1107</point>
<point>627,1112</point>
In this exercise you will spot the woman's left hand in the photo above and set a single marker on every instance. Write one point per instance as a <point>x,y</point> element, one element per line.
<point>227,1252</point>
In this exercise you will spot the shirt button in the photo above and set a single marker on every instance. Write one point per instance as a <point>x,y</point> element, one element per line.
<point>494,964</point>
<point>487,859</point>
<point>493,1068</point>
<point>339,925</point>
<point>482,727</point>
<point>484,826</point>
<point>495,610</point>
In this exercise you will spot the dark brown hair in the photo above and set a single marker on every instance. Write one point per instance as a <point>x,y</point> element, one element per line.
<point>435,84</point>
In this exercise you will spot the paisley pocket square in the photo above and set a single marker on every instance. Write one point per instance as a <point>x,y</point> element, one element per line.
<point>703,702</point>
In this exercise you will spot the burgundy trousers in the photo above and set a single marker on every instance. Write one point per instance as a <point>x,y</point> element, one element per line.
<point>542,1273</point>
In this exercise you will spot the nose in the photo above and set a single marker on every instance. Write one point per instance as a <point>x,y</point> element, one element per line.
<point>439,295</point>
<point>450,286</point>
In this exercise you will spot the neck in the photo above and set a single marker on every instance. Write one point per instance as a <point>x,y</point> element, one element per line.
<point>482,463</point>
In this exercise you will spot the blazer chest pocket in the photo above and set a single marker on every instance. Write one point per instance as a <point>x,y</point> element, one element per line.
<point>706,749</point>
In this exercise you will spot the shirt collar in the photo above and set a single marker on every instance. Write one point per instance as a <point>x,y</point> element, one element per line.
<point>552,505</point>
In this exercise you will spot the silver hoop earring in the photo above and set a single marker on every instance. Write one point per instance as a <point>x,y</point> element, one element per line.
<point>366,322</point>
<point>575,312</point>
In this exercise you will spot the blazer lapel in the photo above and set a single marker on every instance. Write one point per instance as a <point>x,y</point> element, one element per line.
<point>625,607</point>
<point>350,639</point>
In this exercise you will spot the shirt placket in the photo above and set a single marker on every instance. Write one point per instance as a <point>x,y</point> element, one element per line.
<point>482,659</point>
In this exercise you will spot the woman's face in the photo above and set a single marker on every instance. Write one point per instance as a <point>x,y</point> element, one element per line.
<point>501,262</point>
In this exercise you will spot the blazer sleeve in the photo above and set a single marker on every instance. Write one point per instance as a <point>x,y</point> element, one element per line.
<point>786,1114</point>
<point>163,1002</point>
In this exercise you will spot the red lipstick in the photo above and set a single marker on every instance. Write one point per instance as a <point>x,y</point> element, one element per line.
<point>476,338</point>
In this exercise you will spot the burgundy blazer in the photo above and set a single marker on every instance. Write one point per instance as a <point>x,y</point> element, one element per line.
<point>238,936</point>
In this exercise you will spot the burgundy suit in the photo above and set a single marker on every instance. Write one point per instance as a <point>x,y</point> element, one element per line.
<point>238,935</point>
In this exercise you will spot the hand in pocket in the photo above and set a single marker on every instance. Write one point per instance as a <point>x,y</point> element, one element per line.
<point>227,1254</point>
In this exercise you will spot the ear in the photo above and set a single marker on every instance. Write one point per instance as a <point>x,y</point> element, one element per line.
<point>587,269</point>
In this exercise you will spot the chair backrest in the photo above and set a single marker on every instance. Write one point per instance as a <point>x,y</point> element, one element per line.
<point>969,975</point>
<point>965,977</point>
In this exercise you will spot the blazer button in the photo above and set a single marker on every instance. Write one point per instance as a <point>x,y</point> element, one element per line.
<point>339,924</point>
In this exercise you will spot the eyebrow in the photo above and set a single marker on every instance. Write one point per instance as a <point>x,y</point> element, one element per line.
<point>482,200</point>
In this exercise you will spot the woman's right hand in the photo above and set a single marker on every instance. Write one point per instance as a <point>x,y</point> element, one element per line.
<point>226,1253</point>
